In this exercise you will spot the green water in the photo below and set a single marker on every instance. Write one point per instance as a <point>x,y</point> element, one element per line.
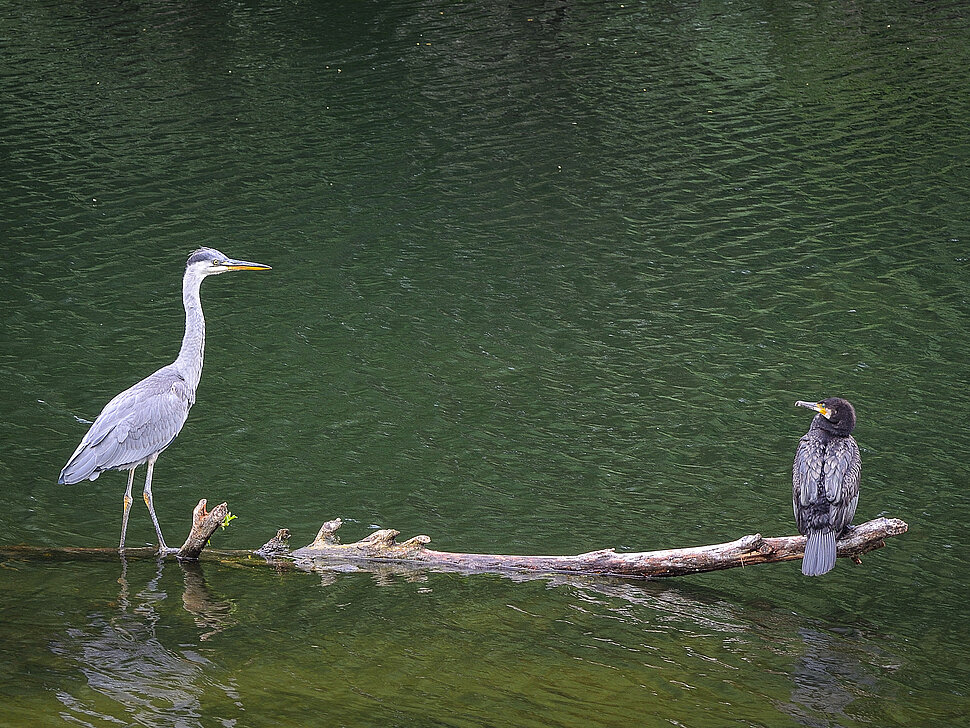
<point>547,278</point>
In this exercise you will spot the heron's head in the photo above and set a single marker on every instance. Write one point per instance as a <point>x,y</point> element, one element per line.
<point>837,414</point>
<point>209,262</point>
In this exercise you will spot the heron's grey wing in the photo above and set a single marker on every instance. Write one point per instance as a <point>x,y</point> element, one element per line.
<point>842,472</point>
<point>138,423</point>
<point>806,475</point>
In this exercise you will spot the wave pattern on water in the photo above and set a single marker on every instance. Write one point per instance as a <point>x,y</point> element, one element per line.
<point>545,279</point>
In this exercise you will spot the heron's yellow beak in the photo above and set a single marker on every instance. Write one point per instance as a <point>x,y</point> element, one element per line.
<point>244,265</point>
<point>817,406</point>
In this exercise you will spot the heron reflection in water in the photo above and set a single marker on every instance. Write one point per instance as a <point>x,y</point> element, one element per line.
<point>138,424</point>
<point>135,660</point>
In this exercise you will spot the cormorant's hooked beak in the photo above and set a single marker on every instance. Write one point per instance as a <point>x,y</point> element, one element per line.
<point>243,265</point>
<point>817,406</point>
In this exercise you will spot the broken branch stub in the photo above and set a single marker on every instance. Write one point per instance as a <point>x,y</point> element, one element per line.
<point>204,524</point>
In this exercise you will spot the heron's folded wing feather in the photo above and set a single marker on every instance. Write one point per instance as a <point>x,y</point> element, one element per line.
<point>153,417</point>
<point>136,424</point>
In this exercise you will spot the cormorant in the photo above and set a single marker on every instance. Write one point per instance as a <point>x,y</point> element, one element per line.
<point>825,481</point>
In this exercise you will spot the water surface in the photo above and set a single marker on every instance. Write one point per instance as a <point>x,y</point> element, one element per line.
<point>547,278</point>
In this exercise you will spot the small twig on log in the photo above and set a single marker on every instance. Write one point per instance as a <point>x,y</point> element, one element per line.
<point>204,525</point>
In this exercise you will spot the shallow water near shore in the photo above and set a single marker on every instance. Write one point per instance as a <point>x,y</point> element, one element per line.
<point>546,279</point>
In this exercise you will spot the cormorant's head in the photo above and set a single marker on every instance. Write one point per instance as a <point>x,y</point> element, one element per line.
<point>835,415</point>
<point>209,262</point>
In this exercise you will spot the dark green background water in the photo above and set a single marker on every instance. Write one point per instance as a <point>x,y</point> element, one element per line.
<point>547,278</point>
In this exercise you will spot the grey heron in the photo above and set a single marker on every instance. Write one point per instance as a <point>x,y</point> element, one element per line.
<point>138,424</point>
<point>825,481</point>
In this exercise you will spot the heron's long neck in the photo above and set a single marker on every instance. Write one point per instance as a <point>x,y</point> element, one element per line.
<point>189,361</point>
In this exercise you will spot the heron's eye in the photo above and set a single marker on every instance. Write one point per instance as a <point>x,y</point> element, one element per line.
<point>217,262</point>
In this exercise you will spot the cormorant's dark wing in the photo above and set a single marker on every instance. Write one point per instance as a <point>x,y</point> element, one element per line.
<point>825,482</point>
<point>806,474</point>
<point>140,422</point>
<point>843,467</point>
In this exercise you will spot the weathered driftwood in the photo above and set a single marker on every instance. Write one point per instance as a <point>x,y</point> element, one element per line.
<point>204,524</point>
<point>382,546</point>
<point>746,551</point>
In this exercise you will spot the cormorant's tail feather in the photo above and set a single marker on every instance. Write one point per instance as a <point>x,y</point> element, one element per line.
<point>819,553</point>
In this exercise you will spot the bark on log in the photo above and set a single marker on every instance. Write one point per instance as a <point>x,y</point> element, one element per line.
<point>746,551</point>
<point>204,524</point>
<point>382,546</point>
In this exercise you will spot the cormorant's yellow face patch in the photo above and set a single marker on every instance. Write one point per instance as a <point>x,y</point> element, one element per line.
<point>818,407</point>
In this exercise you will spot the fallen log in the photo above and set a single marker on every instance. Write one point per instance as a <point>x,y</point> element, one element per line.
<point>746,551</point>
<point>382,546</point>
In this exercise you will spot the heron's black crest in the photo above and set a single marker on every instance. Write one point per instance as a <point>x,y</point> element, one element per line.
<point>204,254</point>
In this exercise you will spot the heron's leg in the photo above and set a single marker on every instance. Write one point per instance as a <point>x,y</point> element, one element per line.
<point>124,518</point>
<point>162,548</point>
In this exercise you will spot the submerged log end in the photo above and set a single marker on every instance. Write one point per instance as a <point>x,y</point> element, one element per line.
<point>204,524</point>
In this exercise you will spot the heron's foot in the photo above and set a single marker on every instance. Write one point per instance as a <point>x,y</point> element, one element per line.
<point>163,548</point>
